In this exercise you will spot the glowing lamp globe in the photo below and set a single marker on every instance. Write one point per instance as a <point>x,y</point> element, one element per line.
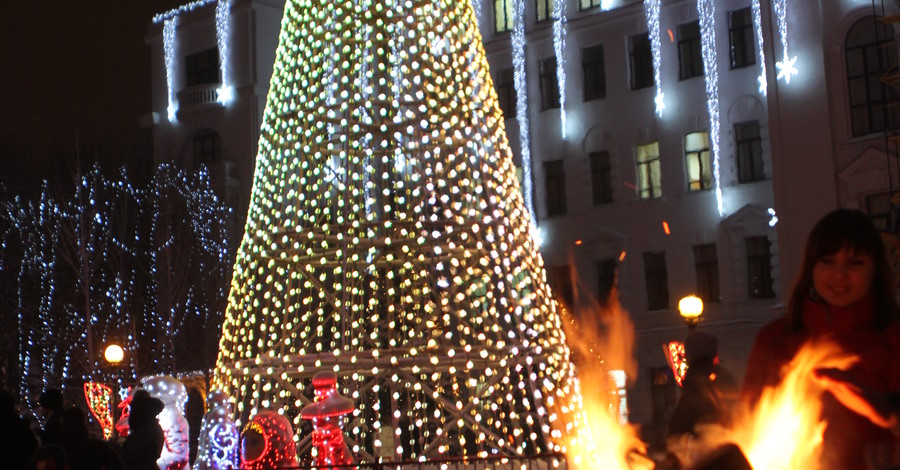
<point>690,308</point>
<point>114,354</point>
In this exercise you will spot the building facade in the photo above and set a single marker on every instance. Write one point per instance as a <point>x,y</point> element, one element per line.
<point>661,203</point>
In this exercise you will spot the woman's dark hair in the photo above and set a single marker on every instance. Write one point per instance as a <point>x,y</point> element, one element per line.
<point>851,229</point>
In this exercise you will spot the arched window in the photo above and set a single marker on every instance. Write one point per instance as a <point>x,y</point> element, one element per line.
<point>871,52</point>
<point>207,148</point>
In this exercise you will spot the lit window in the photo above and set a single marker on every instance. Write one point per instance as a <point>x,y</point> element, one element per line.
<point>749,152</point>
<point>657,280</point>
<point>594,72</point>
<point>555,184</point>
<point>549,84</point>
<point>696,155</point>
<point>544,9</point>
<point>648,172</point>
<point>640,59</point>
<point>740,38</point>
<point>585,4</point>
<point>706,263</point>
<point>601,178</point>
<point>870,51</point>
<point>690,58</point>
<point>503,15</point>
<point>759,267</point>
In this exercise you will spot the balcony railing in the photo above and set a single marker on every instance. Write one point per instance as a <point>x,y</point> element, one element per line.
<point>198,95</point>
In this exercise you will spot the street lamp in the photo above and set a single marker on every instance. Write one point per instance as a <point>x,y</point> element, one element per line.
<point>114,354</point>
<point>690,308</point>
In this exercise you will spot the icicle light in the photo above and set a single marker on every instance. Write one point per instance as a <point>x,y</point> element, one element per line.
<point>707,12</point>
<point>559,46</point>
<point>388,241</point>
<point>760,41</point>
<point>520,83</point>
<point>169,51</point>
<point>225,92</point>
<point>651,9</point>
<point>787,66</point>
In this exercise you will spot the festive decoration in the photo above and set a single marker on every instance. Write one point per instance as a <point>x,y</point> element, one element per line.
<point>787,65</point>
<point>757,25</point>
<point>707,11</point>
<point>176,451</point>
<point>219,441</point>
<point>651,11</point>
<point>674,351</point>
<point>99,400</point>
<point>520,84</point>
<point>387,240</point>
<point>559,47</point>
<point>122,427</point>
<point>268,442</point>
<point>169,58</point>
<point>327,415</point>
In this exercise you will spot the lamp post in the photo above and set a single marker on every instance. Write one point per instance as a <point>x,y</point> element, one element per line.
<point>114,354</point>
<point>690,308</point>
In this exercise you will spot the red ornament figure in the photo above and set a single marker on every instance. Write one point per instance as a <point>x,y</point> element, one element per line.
<point>268,442</point>
<point>326,415</point>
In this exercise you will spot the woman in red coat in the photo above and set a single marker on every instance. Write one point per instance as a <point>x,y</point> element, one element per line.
<point>844,293</point>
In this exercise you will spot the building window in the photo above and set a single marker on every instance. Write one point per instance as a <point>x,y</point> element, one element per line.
<point>749,152</point>
<point>544,9</point>
<point>706,263</point>
<point>880,209</point>
<point>690,59</point>
<point>207,148</point>
<point>594,72</point>
<point>759,267</point>
<point>663,393</point>
<point>506,92</point>
<point>640,59</point>
<point>555,184</point>
<point>549,84</point>
<point>606,280</point>
<point>870,50</point>
<point>696,155</point>
<point>202,67</point>
<point>503,15</point>
<point>648,172</point>
<point>740,38</point>
<point>657,280</point>
<point>585,4</point>
<point>561,282</point>
<point>601,177</point>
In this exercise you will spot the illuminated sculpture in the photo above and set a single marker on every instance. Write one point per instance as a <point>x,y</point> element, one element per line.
<point>176,451</point>
<point>387,240</point>
<point>268,442</point>
<point>99,400</point>
<point>122,427</point>
<point>218,444</point>
<point>327,415</point>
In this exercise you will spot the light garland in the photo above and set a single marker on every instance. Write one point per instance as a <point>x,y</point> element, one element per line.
<point>416,279</point>
<point>651,10</point>
<point>520,83</point>
<point>706,9</point>
<point>757,26</point>
<point>99,400</point>
<point>559,46</point>
<point>675,357</point>
<point>225,93</point>
<point>787,66</point>
<point>181,9</point>
<point>169,51</point>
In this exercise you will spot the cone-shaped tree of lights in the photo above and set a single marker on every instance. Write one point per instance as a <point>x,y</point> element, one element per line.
<point>387,240</point>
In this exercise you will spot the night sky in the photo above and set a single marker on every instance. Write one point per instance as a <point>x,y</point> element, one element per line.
<point>73,75</point>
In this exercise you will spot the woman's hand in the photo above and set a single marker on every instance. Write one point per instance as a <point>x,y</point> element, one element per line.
<point>858,397</point>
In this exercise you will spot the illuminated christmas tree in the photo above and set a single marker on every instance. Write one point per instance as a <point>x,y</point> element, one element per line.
<point>387,241</point>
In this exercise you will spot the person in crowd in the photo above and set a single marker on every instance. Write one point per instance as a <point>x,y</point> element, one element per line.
<point>844,293</point>
<point>83,451</point>
<point>48,457</point>
<point>51,403</point>
<point>145,440</point>
<point>708,391</point>
<point>17,441</point>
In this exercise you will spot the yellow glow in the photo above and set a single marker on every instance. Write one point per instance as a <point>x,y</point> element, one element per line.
<point>114,354</point>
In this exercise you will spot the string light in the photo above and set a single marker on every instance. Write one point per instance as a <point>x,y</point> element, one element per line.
<point>225,93</point>
<point>787,65</point>
<point>559,45</point>
<point>651,10</point>
<point>757,25</point>
<point>99,399</point>
<point>388,241</point>
<point>169,51</point>
<point>520,83</point>
<point>706,9</point>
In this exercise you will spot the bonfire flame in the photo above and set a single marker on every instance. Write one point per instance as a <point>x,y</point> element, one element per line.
<point>784,429</point>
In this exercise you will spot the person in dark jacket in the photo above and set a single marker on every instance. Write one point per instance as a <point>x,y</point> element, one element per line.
<point>145,440</point>
<point>844,293</point>
<point>85,452</point>
<point>52,403</point>
<point>17,441</point>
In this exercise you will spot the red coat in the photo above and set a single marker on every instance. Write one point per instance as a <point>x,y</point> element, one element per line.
<point>847,434</point>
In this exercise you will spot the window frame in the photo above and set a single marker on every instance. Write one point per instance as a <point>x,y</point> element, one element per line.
<point>867,94</point>
<point>601,177</point>
<point>505,87</point>
<point>547,10</point>
<point>588,4</point>
<point>555,187</point>
<point>606,279</point>
<point>206,148</point>
<point>594,71</point>
<point>704,181</point>
<point>706,268</point>
<point>749,152</point>
<point>741,38</point>
<point>759,265</point>
<point>690,50</point>
<point>508,22</point>
<point>656,277</point>
<point>200,68</point>
<point>549,84</point>
<point>647,171</point>
<point>640,61</point>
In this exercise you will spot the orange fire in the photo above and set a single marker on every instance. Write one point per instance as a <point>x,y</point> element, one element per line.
<point>784,430</point>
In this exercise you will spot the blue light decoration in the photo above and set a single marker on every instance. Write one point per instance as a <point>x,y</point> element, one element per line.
<point>651,9</point>
<point>520,83</point>
<point>225,93</point>
<point>707,12</point>
<point>169,51</point>
<point>757,26</point>
<point>219,440</point>
<point>559,46</point>
<point>787,67</point>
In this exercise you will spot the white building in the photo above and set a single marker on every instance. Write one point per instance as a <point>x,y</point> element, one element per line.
<point>627,190</point>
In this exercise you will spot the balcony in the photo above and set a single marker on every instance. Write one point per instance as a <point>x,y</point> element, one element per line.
<point>199,95</point>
